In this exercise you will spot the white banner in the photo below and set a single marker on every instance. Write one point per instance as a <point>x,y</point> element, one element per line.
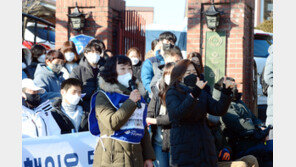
<point>75,149</point>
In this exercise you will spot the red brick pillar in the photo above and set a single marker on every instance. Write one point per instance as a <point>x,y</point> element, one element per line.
<point>98,21</point>
<point>237,21</point>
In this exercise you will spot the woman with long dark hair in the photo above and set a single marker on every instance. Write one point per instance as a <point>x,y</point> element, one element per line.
<point>116,119</point>
<point>158,117</point>
<point>187,104</point>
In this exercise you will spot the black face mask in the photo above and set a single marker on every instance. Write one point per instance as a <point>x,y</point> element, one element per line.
<point>33,99</point>
<point>190,80</point>
<point>167,46</point>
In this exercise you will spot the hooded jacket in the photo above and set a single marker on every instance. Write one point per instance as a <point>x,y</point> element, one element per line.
<point>147,71</point>
<point>62,119</point>
<point>118,153</point>
<point>48,80</point>
<point>191,141</point>
<point>85,73</point>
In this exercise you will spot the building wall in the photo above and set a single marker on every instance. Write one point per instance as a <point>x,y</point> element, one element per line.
<point>146,12</point>
<point>99,19</point>
<point>238,22</point>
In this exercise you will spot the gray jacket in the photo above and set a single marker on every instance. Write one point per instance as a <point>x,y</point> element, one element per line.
<point>48,80</point>
<point>268,77</point>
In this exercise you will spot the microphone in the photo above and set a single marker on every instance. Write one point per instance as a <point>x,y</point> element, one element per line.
<point>133,86</point>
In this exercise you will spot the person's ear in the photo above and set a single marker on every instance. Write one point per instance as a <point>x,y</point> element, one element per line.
<point>63,92</point>
<point>47,62</point>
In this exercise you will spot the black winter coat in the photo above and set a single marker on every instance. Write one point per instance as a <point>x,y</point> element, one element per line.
<point>192,143</point>
<point>162,120</point>
<point>85,73</point>
<point>62,119</point>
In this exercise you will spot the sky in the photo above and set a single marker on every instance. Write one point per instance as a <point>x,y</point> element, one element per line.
<point>166,12</point>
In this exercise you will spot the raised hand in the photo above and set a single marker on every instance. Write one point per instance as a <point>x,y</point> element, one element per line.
<point>201,84</point>
<point>228,83</point>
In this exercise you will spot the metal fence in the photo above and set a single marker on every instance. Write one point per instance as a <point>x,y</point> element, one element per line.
<point>132,33</point>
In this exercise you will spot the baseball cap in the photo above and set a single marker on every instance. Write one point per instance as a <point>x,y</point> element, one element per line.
<point>28,83</point>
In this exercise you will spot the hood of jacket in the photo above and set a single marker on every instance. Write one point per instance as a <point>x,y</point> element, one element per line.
<point>43,70</point>
<point>119,88</point>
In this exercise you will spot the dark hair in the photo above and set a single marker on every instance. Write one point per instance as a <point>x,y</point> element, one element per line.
<point>175,51</point>
<point>196,54</point>
<point>66,84</point>
<point>178,73</point>
<point>162,85</point>
<point>133,49</point>
<point>168,36</point>
<point>37,51</point>
<point>154,43</point>
<point>70,46</point>
<point>23,57</point>
<point>54,54</point>
<point>92,45</point>
<point>109,73</point>
<point>100,43</point>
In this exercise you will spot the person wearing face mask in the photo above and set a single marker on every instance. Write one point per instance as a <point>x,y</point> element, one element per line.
<point>158,118</point>
<point>171,55</point>
<point>67,111</point>
<point>167,40</point>
<point>48,75</point>
<point>116,119</point>
<point>187,104</point>
<point>244,131</point>
<point>87,72</point>
<point>35,123</point>
<point>135,56</point>
<point>38,53</point>
<point>71,56</point>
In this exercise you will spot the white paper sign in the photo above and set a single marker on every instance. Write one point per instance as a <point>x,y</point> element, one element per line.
<point>74,149</point>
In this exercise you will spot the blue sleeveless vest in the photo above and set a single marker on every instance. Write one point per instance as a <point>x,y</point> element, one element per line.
<point>132,131</point>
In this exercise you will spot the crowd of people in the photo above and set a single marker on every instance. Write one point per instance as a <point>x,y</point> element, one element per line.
<point>160,112</point>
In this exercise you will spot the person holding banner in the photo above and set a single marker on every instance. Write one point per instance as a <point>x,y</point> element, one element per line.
<point>117,120</point>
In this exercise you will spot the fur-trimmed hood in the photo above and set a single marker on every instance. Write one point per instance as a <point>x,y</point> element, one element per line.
<point>119,88</point>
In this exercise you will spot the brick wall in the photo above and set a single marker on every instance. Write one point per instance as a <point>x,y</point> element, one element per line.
<point>237,21</point>
<point>99,21</point>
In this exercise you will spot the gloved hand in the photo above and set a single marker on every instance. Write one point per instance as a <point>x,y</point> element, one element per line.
<point>224,155</point>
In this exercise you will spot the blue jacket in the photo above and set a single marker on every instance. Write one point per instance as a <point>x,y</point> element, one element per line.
<point>147,70</point>
<point>48,80</point>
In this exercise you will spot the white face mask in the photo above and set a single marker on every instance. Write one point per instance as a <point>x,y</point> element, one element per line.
<point>72,99</point>
<point>135,61</point>
<point>123,79</point>
<point>69,56</point>
<point>93,58</point>
<point>41,58</point>
<point>24,66</point>
<point>167,79</point>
